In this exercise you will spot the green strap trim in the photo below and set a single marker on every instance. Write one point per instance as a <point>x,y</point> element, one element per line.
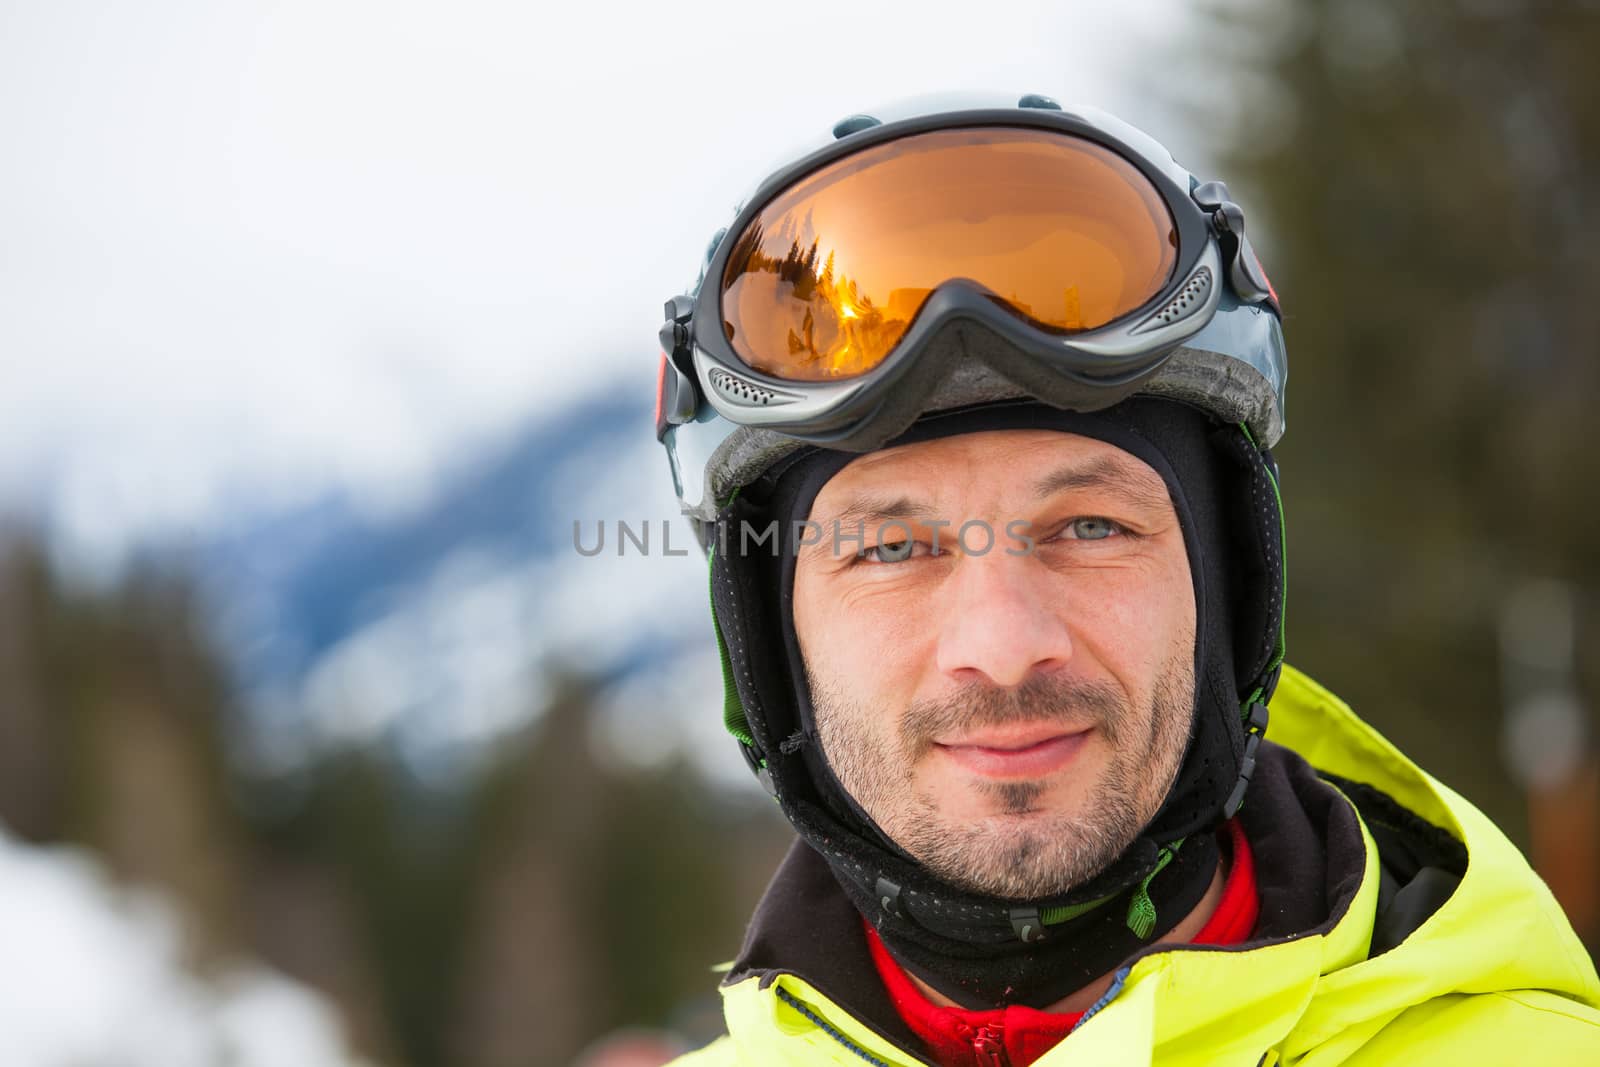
<point>1068,912</point>
<point>1141,910</point>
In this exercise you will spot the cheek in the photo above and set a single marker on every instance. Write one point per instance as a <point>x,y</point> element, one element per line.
<point>866,646</point>
<point>1137,620</point>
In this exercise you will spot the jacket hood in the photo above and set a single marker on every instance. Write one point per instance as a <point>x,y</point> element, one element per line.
<point>1501,931</point>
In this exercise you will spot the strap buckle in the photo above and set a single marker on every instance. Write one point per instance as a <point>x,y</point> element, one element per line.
<point>1255,727</point>
<point>758,765</point>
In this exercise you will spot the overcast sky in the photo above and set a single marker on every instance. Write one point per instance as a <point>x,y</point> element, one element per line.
<point>249,252</point>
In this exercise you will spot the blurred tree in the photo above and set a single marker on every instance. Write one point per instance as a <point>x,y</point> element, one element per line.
<point>1420,180</point>
<point>110,709</point>
<point>114,714</point>
<point>605,894</point>
<point>31,801</point>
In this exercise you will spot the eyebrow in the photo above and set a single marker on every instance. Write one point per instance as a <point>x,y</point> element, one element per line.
<point>871,508</point>
<point>1109,474</point>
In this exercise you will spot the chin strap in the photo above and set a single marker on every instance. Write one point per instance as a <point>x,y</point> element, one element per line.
<point>1036,954</point>
<point>893,891</point>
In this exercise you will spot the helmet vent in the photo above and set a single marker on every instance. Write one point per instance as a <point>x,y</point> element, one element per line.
<point>854,124</point>
<point>1188,299</point>
<point>734,388</point>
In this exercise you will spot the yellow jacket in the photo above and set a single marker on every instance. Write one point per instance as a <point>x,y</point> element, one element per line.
<point>1494,976</point>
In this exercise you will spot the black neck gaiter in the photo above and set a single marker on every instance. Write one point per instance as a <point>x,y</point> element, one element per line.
<point>980,951</point>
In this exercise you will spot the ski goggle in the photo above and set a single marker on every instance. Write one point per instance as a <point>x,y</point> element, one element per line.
<point>823,282</point>
<point>1065,260</point>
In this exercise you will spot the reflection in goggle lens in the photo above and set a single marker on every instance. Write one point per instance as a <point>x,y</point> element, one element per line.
<point>824,282</point>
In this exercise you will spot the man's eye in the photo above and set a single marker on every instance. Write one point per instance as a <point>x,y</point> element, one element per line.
<point>890,551</point>
<point>1091,529</point>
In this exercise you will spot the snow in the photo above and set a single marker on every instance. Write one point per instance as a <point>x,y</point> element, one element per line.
<point>91,976</point>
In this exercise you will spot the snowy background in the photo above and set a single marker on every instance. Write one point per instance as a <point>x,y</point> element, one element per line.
<point>358,301</point>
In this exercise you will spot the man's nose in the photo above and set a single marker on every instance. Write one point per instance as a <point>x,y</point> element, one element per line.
<point>1002,617</point>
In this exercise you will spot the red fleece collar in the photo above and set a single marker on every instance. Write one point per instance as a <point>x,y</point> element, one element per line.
<point>1018,1035</point>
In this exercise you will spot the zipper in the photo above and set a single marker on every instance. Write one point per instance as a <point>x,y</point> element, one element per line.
<point>1110,995</point>
<point>989,1048</point>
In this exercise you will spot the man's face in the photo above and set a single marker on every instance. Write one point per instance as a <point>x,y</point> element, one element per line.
<point>1012,719</point>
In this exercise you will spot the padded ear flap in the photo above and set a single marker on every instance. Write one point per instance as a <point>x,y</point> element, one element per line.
<point>744,562</point>
<point>1255,532</point>
<point>732,601</point>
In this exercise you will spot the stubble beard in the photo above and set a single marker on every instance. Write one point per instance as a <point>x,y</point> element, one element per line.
<point>1023,852</point>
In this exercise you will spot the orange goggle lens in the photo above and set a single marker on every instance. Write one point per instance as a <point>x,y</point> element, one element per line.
<point>823,283</point>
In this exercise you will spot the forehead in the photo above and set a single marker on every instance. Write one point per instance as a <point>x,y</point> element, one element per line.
<point>999,463</point>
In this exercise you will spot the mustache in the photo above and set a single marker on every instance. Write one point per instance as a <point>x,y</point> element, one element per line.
<point>1074,704</point>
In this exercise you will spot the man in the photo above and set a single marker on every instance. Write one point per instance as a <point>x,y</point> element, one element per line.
<point>972,409</point>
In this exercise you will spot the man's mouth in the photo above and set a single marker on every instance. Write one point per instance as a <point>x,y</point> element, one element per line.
<point>1026,751</point>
